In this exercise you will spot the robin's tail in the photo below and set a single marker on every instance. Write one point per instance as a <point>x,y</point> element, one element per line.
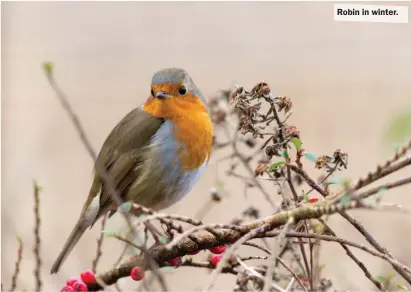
<point>68,246</point>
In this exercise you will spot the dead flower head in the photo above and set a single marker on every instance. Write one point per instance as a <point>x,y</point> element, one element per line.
<point>340,158</point>
<point>284,103</point>
<point>322,161</point>
<point>260,169</point>
<point>261,90</point>
<point>292,131</point>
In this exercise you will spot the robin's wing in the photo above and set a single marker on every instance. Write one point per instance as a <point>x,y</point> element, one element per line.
<point>121,153</point>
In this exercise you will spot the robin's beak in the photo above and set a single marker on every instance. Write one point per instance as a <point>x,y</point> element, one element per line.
<point>162,95</point>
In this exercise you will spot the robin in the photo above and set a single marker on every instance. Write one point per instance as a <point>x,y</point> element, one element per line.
<point>154,155</point>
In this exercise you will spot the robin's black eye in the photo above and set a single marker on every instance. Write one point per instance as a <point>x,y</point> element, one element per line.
<point>182,90</point>
<point>152,93</point>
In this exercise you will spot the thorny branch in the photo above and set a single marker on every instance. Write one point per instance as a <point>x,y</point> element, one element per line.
<point>36,249</point>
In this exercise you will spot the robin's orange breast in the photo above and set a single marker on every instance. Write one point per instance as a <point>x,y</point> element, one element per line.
<point>192,126</point>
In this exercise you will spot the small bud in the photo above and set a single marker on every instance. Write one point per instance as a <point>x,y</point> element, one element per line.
<point>67,289</point>
<point>215,196</point>
<point>313,200</point>
<point>137,273</point>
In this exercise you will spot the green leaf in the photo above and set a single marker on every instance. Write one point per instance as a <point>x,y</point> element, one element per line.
<point>345,200</point>
<point>310,156</point>
<point>380,278</point>
<point>19,240</point>
<point>306,197</point>
<point>125,207</point>
<point>163,239</point>
<point>284,153</point>
<point>275,165</point>
<point>108,233</point>
<point>297,143</point>
<point>142,217</point>
<point>48,67</point>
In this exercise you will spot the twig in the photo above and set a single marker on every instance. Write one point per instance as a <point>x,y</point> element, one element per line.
<point>381,172</point>
<point>36,250</point>
<point>376,245</point>
<point>279,260</point>
<point>99,245</point>
<point>17,265</point>
<point>344,241</point>
<point>308,179</point>
<point>273,256</point>
<point>232,249</point>
<point>386,186</point>
<point>355,259</point>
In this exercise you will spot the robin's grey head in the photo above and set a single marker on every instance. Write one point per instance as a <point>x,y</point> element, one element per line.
<point>174,76</point>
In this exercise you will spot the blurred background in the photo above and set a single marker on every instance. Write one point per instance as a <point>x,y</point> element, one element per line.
<point>347,81</point>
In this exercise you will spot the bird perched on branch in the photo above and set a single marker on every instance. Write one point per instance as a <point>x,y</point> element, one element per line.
<point>154,155</point>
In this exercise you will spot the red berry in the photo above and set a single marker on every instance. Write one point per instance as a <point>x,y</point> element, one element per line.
<point>174,262</point>
<point>218,249</point>
<point>215,259</point>
<point>67,289</point>
<point>137,273</point>
<point>88,277</point>
<point>313,200</point>
<point>194,252</point>
<point>80,287</point>
<point>70,282</point>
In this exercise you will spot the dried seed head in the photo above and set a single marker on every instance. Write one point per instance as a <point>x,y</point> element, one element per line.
<point>272,151</point>
<point>238,94</point>
<point>322,161</point>
<point>292,131</point>
<point>261,90</point>
<point>340,158</point>
<point>284,103</point>
<point>260,169</point>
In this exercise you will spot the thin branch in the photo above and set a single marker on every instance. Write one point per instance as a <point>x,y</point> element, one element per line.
<point>99,253</point>
<point>355,259</point>
<point>273,256</point>
<point>308,179</point>
<point>387,186</point>
<point>382,172</point>
<point>17,265</point>
<point>36,250</point>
